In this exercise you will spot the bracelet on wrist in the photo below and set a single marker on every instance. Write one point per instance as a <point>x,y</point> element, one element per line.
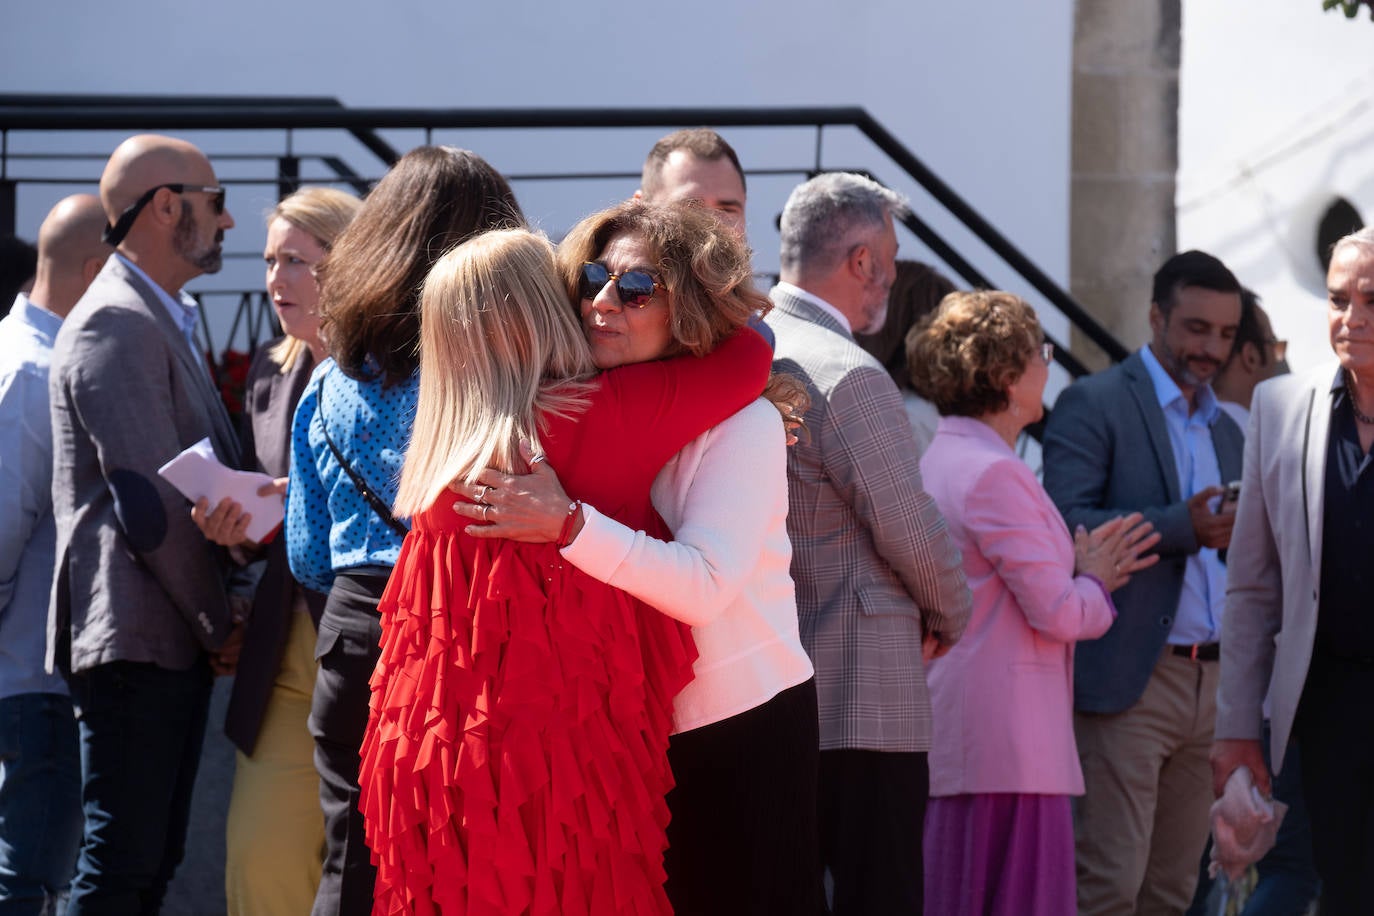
<point>565,535</point>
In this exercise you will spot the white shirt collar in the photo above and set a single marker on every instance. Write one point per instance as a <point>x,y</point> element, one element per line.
<point>176,306</point>
<point>815,300</point>
<point>36,316</point>
<point>1167,390</point>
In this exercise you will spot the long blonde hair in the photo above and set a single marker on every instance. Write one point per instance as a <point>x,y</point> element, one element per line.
<point>499,346</point>
<point>323,214</point>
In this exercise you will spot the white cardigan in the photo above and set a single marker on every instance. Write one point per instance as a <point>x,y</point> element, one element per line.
<point>726,574</point>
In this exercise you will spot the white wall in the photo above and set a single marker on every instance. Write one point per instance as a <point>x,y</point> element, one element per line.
<point>979,91</point>
<point>1276,118</point>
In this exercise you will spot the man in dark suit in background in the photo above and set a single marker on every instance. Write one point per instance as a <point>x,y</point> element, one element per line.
<point>879,582</point>
<point>139,595</point>
<point>1147,436</point>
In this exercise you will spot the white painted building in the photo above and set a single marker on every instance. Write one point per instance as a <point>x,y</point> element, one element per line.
<point>1276,100</point>
<point>1276,106</point>
<point>979,91</point>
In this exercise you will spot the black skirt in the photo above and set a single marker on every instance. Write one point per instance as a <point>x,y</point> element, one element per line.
<point>744,837</point>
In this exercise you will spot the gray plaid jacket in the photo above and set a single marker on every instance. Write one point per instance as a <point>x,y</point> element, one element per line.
<point>135,579</point>
<point>873,563</point>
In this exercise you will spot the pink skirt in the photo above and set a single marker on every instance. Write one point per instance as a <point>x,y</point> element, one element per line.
<point>999,855</point>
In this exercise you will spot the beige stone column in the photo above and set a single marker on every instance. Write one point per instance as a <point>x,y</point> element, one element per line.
<point>1125,156</point>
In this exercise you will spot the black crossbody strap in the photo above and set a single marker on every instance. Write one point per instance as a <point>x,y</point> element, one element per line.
<point>372,499</point>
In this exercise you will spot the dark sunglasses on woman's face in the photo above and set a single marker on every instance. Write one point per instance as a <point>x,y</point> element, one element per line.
<point>113,235</point>
<point>635,288</point>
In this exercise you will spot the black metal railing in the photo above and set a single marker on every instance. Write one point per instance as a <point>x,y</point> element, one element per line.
<point>38,113</point>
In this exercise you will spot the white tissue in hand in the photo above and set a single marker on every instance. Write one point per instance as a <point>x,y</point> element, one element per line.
<point>1244,825</point>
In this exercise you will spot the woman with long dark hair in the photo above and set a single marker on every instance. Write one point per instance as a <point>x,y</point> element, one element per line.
<point>350,431</point>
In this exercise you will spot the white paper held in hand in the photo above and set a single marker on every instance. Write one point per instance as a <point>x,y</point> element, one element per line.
<point>196,472</point>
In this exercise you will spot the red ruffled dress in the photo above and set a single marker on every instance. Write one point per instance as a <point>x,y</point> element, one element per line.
<point>515,760</point>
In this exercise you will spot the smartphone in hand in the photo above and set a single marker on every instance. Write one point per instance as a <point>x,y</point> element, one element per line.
<point>1230,497</point>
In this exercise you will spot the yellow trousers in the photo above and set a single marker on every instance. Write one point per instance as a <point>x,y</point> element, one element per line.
<point>275,831</point>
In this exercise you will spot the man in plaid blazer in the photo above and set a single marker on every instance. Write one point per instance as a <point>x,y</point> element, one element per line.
<point>879,583</point>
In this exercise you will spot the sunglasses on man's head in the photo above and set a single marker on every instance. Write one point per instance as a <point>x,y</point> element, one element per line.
<point>634,287</point>
<point>115,234</point>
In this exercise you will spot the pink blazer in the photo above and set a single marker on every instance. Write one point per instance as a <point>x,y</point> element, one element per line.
<point>1003,696</point>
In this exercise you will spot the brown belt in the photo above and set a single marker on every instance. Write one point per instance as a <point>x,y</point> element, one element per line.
<point>1198,651</point>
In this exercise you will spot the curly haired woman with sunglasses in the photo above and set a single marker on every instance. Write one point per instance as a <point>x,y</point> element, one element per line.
<point>650,283</point>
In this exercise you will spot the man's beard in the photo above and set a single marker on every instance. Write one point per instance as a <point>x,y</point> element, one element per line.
<point>876,322</point>
<point>1183,371</point>
<point>877,311</point>
<point>211,258</point>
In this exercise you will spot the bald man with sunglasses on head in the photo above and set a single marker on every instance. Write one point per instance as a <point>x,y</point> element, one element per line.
<point>139,596</point>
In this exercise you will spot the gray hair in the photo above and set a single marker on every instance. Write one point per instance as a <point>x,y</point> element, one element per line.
<point>1363,236</point>
<point>830,214</point>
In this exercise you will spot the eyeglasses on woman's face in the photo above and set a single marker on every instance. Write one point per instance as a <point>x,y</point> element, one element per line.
<point>635,288</point>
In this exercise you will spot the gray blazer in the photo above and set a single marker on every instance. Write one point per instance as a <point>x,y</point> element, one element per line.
<point>874,566</point>
<point>1107,453</point>
<point>135,579</point>
<point>1274,571</point>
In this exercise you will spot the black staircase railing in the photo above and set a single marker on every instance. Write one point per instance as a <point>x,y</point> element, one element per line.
<point>39,113</point>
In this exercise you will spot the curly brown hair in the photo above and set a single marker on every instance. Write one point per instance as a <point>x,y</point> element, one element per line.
<point>432,199</point>
<point>704,266</point>
<point>965,356</point>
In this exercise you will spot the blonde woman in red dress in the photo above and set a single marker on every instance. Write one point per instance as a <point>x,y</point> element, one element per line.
<point>515,761</point>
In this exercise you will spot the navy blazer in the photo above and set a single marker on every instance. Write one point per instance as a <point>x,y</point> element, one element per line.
<point>1107,453</point>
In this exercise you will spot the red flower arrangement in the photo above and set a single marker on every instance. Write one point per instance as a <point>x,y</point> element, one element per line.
<point>232,377</point>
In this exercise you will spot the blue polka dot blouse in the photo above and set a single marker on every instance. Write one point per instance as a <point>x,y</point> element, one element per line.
<point>329,526</point>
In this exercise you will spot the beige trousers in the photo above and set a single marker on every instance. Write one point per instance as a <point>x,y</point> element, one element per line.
<point>1140,828</point>
<point>275,831</point>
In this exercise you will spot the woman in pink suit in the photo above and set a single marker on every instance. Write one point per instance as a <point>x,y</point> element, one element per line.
<point>998,830</point>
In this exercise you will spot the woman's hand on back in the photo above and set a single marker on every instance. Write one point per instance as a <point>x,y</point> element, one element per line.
<point>529,507</point>
<point>1115,549</point>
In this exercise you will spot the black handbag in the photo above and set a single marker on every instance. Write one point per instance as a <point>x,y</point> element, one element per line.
<point>372,499</point>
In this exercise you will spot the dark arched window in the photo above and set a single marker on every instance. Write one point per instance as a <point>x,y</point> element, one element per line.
<point>1340,219</point>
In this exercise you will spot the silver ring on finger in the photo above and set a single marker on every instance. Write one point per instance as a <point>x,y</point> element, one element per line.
<point>485,509</point>
<point>482,493</point>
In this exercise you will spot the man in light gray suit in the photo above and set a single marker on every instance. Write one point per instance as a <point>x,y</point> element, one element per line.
<point>138,594</point>
<point>879,582</point>
<point>1298,622</point>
